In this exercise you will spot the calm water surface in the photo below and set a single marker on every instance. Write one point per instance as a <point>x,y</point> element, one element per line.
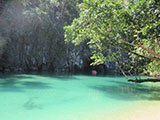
<point>68,97</point>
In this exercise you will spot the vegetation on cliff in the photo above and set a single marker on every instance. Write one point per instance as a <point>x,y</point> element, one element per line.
<point>114,27</point>
<point>118,34</point>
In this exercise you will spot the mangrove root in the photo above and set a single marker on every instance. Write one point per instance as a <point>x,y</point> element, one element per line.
<point>145,80</point>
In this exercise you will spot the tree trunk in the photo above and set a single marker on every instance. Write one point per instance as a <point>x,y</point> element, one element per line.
<point>145,80</point>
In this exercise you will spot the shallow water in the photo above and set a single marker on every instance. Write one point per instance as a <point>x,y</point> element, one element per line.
<point>69,97</point>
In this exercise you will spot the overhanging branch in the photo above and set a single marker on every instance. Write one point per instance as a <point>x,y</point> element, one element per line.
<point>144,48</point>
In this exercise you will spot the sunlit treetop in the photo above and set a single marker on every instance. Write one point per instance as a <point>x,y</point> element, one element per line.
<point>125,26</point>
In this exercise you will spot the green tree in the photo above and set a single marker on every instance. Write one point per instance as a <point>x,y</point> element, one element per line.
<point>113,27</point>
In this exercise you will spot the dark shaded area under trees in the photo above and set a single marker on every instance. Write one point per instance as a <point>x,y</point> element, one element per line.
<point>32,36</point>
<point>131,27</point>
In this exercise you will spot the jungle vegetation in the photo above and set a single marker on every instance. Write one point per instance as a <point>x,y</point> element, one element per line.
<point>57,35</point>
<point>117,26</point>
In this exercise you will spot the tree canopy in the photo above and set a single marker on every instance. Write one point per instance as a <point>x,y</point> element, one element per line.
<point>114,27</point>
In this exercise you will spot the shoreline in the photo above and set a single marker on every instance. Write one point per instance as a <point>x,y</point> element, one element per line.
<point>148,110</point>
<point>141,110</point>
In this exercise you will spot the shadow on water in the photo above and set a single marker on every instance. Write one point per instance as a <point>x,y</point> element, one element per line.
<point>128,91</point>
<point>35,85</point>
<point>64,77</point>
<point>15,83</point>
<point>58,76</point>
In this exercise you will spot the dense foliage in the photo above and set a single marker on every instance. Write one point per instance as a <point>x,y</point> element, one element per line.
<point>32,33</point>
<point>114,27</point>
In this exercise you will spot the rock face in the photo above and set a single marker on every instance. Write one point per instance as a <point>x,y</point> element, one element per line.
<point>34,39</point>
<point>75,58</point>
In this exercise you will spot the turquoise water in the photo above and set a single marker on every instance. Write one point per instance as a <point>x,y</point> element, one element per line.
<point>68,97</point>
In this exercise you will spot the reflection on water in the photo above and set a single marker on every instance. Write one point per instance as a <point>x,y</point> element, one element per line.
<point>125,91</point>
<point>71,95</point>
